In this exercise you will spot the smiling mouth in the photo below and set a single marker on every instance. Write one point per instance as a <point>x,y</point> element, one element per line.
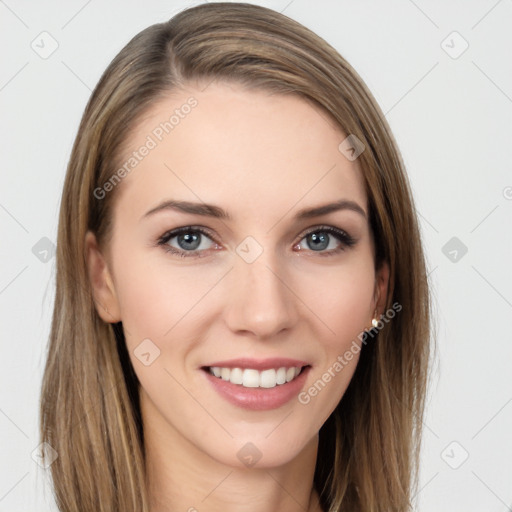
<point>251,378</point>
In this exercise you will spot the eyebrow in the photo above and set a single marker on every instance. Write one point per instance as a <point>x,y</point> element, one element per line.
<point>210,210</point>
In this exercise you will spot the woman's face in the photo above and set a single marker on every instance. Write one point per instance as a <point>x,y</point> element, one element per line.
<point>251,285</point>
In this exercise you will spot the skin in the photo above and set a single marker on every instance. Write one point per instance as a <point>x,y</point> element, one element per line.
<point>262,158</point>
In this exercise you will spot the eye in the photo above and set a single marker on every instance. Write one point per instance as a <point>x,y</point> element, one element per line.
<point>189,240</point>
<point>319,238</point>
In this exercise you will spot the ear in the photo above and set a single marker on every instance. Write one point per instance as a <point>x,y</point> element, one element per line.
<point>381,288</point>
<point>102,285</point>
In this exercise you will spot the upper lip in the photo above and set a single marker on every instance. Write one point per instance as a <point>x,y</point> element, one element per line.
<point>258,364</point>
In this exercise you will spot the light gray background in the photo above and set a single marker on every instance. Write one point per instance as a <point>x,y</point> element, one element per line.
<point>452,118</point>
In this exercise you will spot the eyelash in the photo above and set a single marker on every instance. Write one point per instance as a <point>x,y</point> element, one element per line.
<point>346,240</point>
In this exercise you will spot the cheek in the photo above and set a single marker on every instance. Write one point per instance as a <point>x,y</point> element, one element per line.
<point>153,298</point>
<point>344,310</point>
<point>343,307</point>
<point>341,299</point>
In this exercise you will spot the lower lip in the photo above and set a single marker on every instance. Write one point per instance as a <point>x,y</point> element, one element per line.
<point>258,399</point>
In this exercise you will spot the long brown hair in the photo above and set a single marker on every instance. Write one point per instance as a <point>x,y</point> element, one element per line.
<point>369,447</point>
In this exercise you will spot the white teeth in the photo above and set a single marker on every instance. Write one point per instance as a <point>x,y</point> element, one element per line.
<point>268,379</point>
<point>251,378</point>
<point>237,376</point>
<point>281,375</point>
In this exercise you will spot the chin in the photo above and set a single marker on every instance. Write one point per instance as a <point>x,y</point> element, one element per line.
<point>259,452</point>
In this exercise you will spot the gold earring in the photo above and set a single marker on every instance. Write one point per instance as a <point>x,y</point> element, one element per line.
<point>375,322</point>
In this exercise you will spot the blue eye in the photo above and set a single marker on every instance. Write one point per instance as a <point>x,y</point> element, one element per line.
<point>188,237</point>
<point>319,238</point>
<point>190,241</point>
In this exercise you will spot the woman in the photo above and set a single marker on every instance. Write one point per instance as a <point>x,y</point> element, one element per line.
<point>241,318</point>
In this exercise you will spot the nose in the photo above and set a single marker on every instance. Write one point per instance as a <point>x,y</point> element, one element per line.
<point>260,298</point>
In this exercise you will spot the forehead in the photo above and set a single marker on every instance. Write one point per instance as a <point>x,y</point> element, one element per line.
<point>246,150</point>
